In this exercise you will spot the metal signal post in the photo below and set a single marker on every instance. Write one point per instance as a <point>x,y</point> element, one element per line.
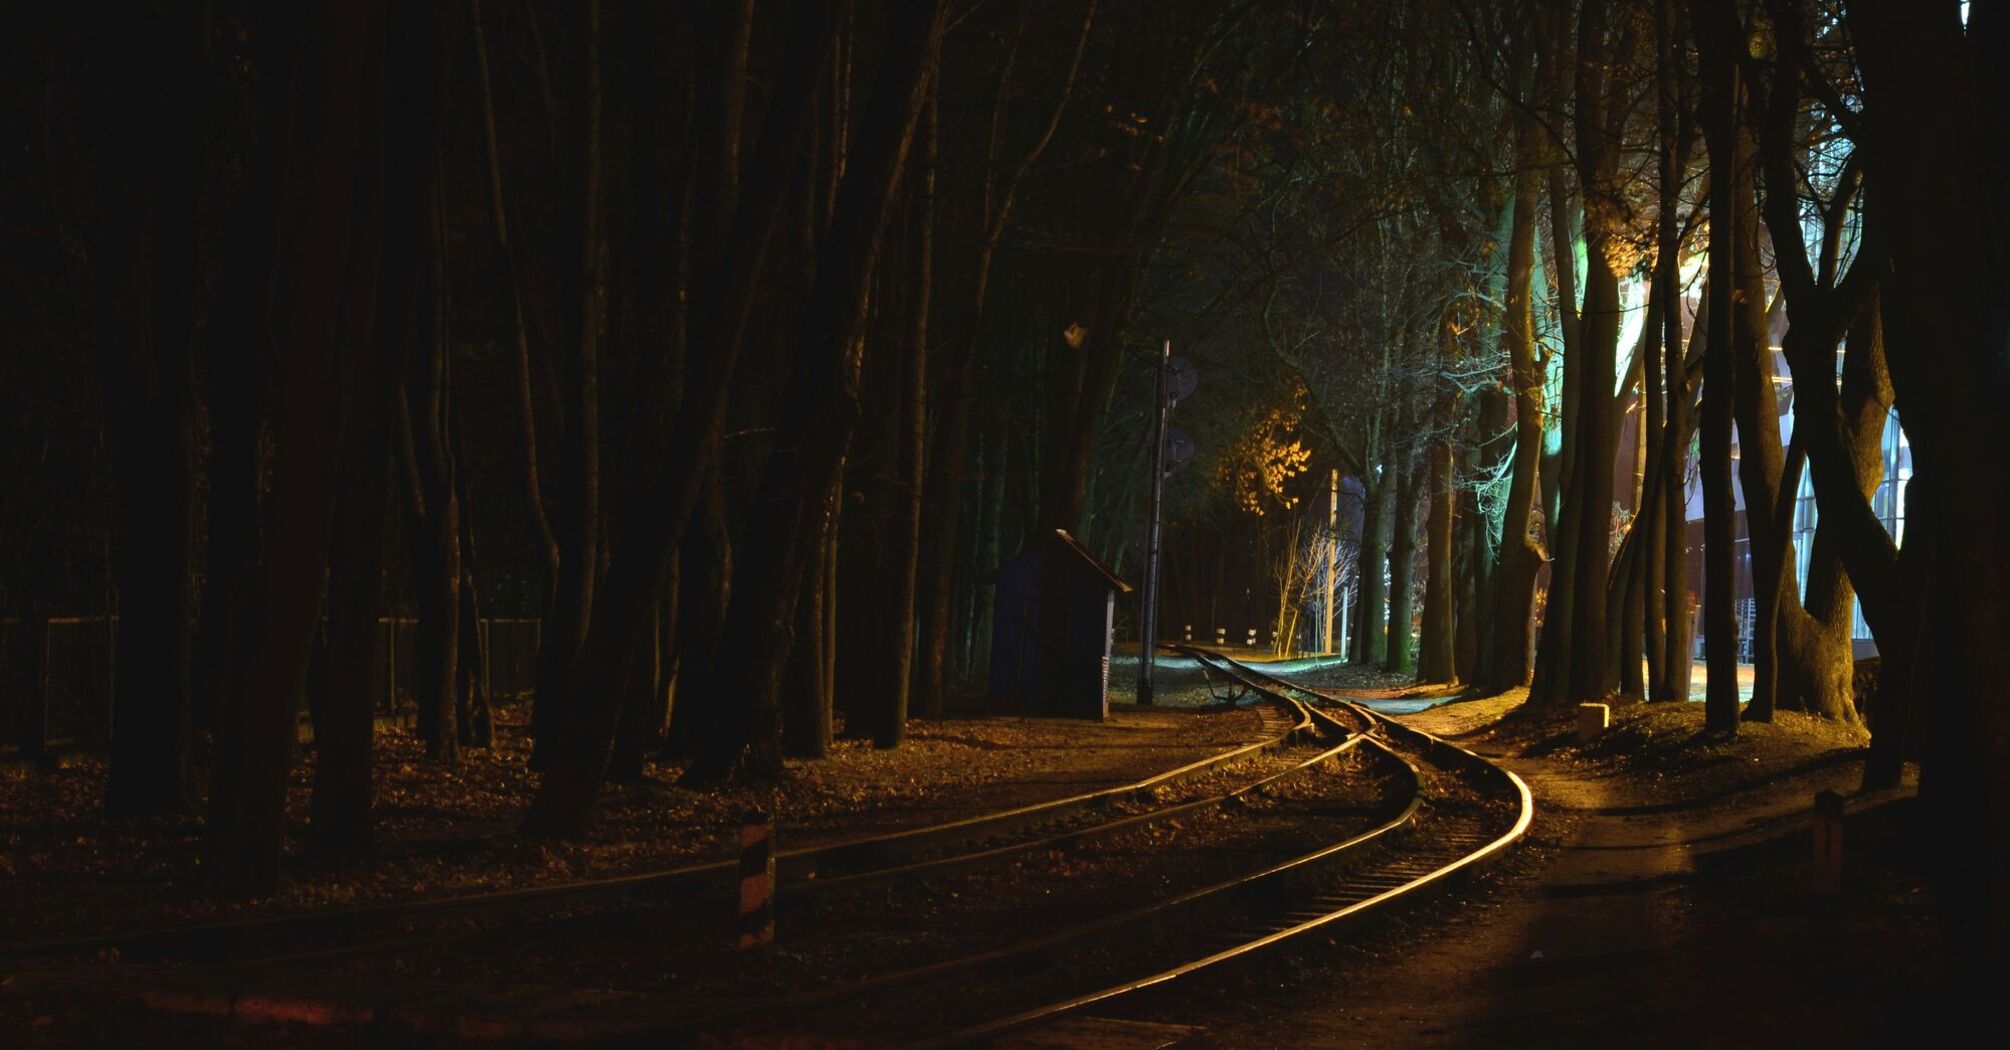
<point>1170,451</point>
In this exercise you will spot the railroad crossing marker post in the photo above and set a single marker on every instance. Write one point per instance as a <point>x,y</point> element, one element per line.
<point>757,880</point>
<point>1828,846</point>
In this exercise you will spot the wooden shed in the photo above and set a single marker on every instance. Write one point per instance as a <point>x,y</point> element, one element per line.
<point>1050,638</point>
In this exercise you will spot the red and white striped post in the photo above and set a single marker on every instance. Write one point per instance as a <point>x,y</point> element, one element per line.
<point>757,880</point>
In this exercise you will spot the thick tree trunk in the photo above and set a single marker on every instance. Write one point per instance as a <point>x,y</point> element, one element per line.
<point>147,284</point>
<point>1671,681</point>
<point>432,504</point>
<point>473,715</point>
<point>545,542</point>
<point>809,704</point>
<point>239,338</point>
<point>1551,680</point>
<point>1510,660</point>
<point>905,533</point>
<point>1593,467</point>
<point>334,248</point>
<point>1679,603</point>
<point>1435,663</point>
<point>566,624</point>
<point>342,827</point>
<point>1371,645</point>
<point>1717,33</point>
<point>640,729</point>
<point>1403,565</point>
<point>1473,576</point>
<point>1934,94</point>
<point>705,587</point>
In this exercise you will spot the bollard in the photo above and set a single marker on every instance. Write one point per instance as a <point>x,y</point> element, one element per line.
<point>1828,844</point>
<point>1189,633</point>
<point>1221,636</point>
<point>757,880</point>
<point>1592,719</point>
<point>1252,637</point>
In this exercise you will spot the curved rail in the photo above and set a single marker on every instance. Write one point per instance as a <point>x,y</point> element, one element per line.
<point>1404,876</point>
<point>862,859</point>
<point>1154,910</point>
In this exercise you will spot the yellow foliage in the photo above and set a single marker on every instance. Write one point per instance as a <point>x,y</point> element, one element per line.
<point>1256,467</point>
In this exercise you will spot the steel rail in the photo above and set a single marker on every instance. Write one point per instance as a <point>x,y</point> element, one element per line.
<point>1402,818</point>
<point>826,888</point>
<point>218,939</point>
<point>1327,910</point>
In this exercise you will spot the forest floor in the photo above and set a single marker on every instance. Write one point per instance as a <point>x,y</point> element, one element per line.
<point>450,829</point>
<point>1663,898</point>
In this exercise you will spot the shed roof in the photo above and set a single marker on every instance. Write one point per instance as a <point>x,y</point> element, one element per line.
<point>1081,553</point>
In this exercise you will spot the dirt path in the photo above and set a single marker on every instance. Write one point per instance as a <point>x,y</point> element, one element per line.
<point>1638,920</point>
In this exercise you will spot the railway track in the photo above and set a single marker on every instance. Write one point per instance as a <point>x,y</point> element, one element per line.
<point>1446,811</point>
<point>847,865</point>
<point>1454,811</point>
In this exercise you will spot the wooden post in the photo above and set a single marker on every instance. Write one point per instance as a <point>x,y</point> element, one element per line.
<point>757,880</point>
<point>1828,845</point>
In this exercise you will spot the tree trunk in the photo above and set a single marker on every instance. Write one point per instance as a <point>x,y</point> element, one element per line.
<point>545,542</point>
<point>1934,93</point>
<point>1717,32</point>
<point>473,715</point>
<point>705,587</point>
<point>432,504</point>
<point>1551,681</point>
<point>1436,663</point>
<point>1402,564</point>
<point>335,247</point>
<point>147,285</point>
<point>342,827</point>
<point>906,533</point>
<point>640,729</point>
<point>809,703</point>
<point>1676,137</point>
<point>1510,661</point>
<point>1372,643</point>
<point>1681,605</point>
<point>567,622</point>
